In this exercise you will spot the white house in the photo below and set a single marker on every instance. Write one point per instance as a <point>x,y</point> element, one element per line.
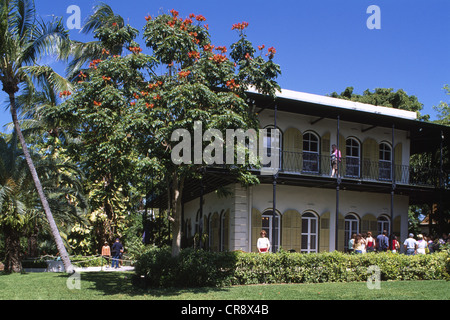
<point>303,208</point>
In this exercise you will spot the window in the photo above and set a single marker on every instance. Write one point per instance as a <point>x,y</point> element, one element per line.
<point>224,230</point>
<point>353,153</point>
<point>272,143</point>
<point>351,227</point>
<point>383,223</point>
<point>267,225</point>
<point>385,161</point>
<point>309,232</point>
<point>310,152</point>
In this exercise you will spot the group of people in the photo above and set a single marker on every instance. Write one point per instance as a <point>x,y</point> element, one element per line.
<point>361,243</point>
<point>115,252</point>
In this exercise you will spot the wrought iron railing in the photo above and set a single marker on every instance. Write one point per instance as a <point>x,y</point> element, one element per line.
<point>310,163</point>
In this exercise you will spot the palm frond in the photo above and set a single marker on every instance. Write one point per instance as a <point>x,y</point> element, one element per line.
<point>48,38</point>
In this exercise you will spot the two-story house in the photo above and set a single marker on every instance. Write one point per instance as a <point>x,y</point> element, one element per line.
<point>303,207</point>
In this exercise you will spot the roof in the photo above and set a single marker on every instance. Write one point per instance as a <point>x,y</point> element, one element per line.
<point>425,136</point>
<point>346,104</point>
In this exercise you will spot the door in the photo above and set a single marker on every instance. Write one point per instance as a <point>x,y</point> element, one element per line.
<point>309,232</point>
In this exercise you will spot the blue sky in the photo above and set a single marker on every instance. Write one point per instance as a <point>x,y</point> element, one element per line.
<point>323,45</point>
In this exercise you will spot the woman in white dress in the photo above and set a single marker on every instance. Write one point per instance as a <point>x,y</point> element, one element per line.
<point>263,243</point>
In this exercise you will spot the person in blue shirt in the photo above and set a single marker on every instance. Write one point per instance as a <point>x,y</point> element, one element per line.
<point>117,249</point>
<point>382,242</point>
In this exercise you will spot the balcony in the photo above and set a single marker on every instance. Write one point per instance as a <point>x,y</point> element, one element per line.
<point>314,164</point>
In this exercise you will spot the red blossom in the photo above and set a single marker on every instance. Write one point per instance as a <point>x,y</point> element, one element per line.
<point>174,13</point>
<point>148,18</point>
<point>194,54</point>
<point>218,58</point>
<point>97,103</point>
<point>271,53</point>
<point>240,26</point>
<point>135,50</point>
<point>208,47</point>
<point>94,63</point>
<point>64,93</point>
<point>261,47</point>
<point>200,18</point>
<point>184,74</point>
<point>231,84</point>
<point>223,49</point>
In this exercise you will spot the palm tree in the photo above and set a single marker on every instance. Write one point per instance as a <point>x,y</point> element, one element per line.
<point>24,40</point>
<point>110,40</point>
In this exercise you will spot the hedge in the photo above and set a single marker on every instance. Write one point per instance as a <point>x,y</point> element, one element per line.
<point>198,268</point>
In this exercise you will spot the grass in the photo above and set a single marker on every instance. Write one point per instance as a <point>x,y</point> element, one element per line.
<point>118,286</point>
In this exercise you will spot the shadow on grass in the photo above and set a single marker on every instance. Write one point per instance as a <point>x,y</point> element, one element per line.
<point>123,283</point>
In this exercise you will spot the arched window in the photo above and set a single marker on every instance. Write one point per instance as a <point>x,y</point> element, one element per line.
<point>383,223</point>
<point>309,232</point>
<point>268,224</point>
<point>351,227</point>
<point>272,143</point>
<point>310,152</point>
<point>224,230</point>
<point>352,158</point>
<point>385,156</point>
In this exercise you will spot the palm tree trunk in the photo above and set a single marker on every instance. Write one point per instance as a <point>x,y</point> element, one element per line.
<point>176,214</point>
<point>53,228</point>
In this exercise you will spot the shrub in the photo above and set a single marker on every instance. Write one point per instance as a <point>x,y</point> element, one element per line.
<point>196,268</point>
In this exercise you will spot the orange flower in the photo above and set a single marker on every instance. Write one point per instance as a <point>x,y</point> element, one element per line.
<point>200,18</point>
<point>240,26</point>
<point>261,47</point>
<point>174,13</point>
<point>135,50</point>
<point>94,63</point>
<point>271,53</point>
<point>106,78</point>
<point>218,58</point>
<point>148,18</point>
<point>231,84</point>
<point>97,103</point>
<point>206,26</point>
<point>208,47</point>
<point>64,93</point>
<point>223,49</point>
<point>184,74</point>
<point>194,54</point>
<point>247,56</point>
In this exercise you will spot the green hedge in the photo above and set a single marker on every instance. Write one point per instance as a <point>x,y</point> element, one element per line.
<point>197,268</point>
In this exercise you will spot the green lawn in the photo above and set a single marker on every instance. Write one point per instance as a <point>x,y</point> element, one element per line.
<point>117,285</point>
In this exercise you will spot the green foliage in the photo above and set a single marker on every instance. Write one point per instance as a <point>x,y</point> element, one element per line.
<point>194,268</point>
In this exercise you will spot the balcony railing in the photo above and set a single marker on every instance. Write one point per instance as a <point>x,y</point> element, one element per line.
<point>310,163</point>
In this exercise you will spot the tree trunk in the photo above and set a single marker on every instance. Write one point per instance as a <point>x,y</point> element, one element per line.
<point>176,214</point>
<point>53,228</point>
<point>12,249</point>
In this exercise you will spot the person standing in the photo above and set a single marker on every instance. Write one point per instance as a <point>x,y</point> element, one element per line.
<point>335,159</point>
<point>106,253</point>
<point>410,245</point>
<point>370,247</point>
<point>263,243</point>
<point>382,242</point>
<point>117,250</point>
<point>421,245</point>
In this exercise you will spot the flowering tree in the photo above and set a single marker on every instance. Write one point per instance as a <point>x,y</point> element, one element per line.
<point>201,84</point>
<point>126,107</point>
